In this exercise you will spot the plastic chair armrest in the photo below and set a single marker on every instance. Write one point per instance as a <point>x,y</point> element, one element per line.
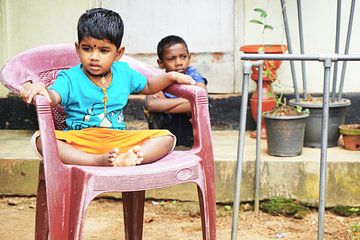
<point>47,133</point>
<point>198,99</point>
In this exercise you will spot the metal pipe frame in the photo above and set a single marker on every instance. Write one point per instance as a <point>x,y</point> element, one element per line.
<point>337,44</point>
<point>327,59</point>
<point>347,45</point>
<point>301,35</point>
<point>288,40</point>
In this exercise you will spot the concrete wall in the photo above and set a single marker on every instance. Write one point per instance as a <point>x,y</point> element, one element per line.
<point>213,29</point>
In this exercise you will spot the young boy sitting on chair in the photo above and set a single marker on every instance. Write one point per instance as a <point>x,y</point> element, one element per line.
<point>94,94</point>
<point>163,110</point>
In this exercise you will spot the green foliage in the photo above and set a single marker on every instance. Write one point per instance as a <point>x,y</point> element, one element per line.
<point>355,231</point>
<point>285,207</point>
<point>346,211</point>
<point>261,20</point>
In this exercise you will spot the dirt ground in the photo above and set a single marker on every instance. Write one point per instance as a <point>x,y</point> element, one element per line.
<point>173,220</point>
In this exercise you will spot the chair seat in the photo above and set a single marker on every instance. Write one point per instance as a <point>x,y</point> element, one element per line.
<point>177,167</point>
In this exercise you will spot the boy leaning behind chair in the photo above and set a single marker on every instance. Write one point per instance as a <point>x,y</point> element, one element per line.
<point>163,110</point>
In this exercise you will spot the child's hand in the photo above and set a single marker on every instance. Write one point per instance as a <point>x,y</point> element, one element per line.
<point>30,90</point>
<point>183,78</point>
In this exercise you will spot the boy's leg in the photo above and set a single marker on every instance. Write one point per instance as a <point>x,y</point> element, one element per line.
<point>71,155</point>
<point>150,151</point>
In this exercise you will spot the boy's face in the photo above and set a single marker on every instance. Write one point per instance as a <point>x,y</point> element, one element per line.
<point>175,58</point>
<point>97,56</point>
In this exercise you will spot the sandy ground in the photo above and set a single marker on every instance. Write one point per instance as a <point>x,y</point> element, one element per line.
<point>173,220</point>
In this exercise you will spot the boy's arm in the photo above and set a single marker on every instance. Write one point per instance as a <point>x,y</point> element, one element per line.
<point>30,90</point>
<point>159,103</point>
<point>157,83</point>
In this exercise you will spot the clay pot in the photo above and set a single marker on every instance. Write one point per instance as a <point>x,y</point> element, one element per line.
<point>351,136</point>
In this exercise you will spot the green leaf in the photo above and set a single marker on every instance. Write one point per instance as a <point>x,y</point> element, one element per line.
<point>256,21</point>
<point>262,12</point>
<point>267,26</point>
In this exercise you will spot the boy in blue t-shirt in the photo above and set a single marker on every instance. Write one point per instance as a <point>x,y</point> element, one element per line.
<point>163,110</point>
<point>94,94</point>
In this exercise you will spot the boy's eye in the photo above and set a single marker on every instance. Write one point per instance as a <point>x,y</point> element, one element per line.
<point>86,49</point>
<point>104,50</point>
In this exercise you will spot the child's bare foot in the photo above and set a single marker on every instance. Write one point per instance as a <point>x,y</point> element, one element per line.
<point>130,158</point>
<point>108,159</point>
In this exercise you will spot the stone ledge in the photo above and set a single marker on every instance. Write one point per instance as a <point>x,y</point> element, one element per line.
<point>295,177</point>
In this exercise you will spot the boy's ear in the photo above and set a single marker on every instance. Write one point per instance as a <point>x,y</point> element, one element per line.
<point>160,64</point>
<point>77,48</point>
<point>120,53</point>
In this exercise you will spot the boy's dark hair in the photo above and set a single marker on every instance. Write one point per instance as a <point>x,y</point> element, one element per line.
<point>101,23</point>
<point>168,42</point>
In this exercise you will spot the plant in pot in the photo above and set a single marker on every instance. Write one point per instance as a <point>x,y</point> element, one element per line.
<point>269,69</point>
<point>337,112</point>
<point>285,126</point>
<point>351,136</point>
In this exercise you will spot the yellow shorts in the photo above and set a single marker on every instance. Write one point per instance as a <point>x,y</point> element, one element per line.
<point>102,140</point>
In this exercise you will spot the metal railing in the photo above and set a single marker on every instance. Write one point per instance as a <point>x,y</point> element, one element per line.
<point>327,60</point>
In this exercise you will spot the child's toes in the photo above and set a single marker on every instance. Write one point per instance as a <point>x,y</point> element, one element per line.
<point>139,161</point>
<point>136,149</point>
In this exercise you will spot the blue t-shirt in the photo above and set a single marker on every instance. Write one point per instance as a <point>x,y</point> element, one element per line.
<point>83,100</point>
<point>194,74</point>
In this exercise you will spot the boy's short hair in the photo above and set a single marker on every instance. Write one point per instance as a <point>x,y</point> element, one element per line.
<point>101,23</point>
<point>167,42</point>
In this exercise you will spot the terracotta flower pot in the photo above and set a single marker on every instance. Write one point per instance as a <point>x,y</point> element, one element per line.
<point>270,66</point>
<point>351,136</point>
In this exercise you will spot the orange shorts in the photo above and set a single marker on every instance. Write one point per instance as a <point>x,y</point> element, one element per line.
<point>102,140</point>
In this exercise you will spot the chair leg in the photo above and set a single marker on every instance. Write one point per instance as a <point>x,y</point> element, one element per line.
<point>41,217</point>
<point>208,213</point>
<point>133,205</point>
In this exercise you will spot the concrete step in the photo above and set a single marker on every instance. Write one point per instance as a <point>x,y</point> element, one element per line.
<point>290,177</point>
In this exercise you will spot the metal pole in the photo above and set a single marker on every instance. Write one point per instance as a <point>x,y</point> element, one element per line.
<point>258,135</point>
<point>298,57</point>
<point>288,40</point>
<point>301,34</point>
<point>337,43</point>
<point>241,143</point>
<point>351,18</point>
<point>324,143</point>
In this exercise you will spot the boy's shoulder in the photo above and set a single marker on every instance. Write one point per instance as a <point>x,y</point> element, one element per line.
<point>121,65</point>
<point>194,73</point>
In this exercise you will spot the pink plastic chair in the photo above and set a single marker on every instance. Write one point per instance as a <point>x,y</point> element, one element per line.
<point>64,191</point>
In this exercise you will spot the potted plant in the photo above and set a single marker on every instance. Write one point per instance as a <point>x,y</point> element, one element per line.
<point>351,136</point>
<point>269,69</point>
<point>337,112</point>
<point>285,126</point>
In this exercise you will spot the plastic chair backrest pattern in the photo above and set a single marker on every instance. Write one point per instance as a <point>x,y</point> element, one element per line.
<point>64,191</point>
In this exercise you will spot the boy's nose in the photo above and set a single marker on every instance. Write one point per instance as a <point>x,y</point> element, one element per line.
<point>94,55</point>
<point>178,61</point>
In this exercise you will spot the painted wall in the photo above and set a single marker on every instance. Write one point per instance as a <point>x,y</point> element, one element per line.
<point>207,26</point>
<point>213,29</point>
<point>29,23</point>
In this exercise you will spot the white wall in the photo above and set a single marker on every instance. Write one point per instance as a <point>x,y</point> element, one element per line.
<point>206,25</point>
<point>214,30</point>
<point>319,23</point>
